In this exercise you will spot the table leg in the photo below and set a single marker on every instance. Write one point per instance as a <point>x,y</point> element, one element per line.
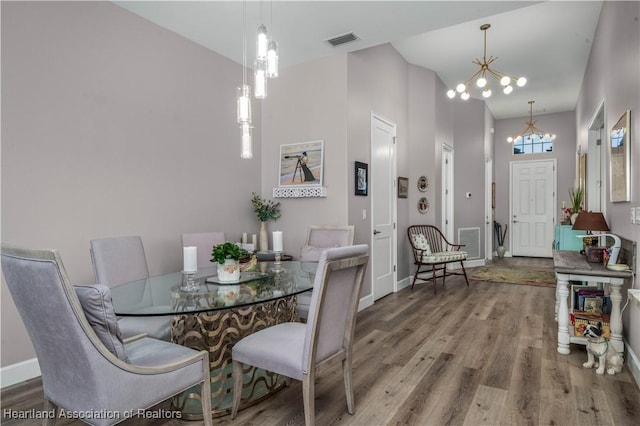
<point>562,294</point>
<point>557,301</point>
<point>615,339</point>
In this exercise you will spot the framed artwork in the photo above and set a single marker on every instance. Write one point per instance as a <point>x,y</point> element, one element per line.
<point>301,164</point>
<point>423,205</point>
<point>403,187</point>
<point>423,184</point>
<point>493,195</point>
<point>361,178</point>
<point>619,158</point>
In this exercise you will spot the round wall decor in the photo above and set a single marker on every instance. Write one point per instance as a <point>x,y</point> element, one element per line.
<point>423,205</point>
<point>423,183</point>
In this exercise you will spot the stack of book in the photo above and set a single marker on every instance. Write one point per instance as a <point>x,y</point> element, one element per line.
<point>590,306</point>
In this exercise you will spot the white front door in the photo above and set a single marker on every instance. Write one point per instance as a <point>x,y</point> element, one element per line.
<point>383,203</point>
<point>532,207</point>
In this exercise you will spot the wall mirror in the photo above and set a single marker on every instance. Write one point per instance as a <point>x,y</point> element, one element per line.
<point>619,159</point>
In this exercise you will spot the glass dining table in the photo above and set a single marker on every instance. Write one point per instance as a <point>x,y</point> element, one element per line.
<point>213,315</point>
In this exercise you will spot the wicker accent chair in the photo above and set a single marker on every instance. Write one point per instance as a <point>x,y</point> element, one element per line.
<point>432,253</point>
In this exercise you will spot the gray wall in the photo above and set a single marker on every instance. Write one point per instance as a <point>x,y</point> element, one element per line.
<point>612,76</point>
<point>564,151</point>
<point>308,102</point>
<point>113,126</point>
<point>376,82</point>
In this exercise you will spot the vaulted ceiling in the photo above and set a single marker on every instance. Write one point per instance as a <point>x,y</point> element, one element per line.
<point>547,42</point>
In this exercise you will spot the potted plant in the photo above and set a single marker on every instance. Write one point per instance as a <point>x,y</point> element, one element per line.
<point>228,255</point>
<point>576,197</point>
<point>265,210</point>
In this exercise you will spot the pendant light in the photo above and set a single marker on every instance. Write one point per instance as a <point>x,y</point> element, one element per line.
<point>244,95</point>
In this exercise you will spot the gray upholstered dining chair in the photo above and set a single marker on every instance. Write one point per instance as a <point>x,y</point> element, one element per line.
<point>320,237</point>
<point>295,349</point>
<point>86,367</point>
<point>205,242</point>
<point>118,260</point>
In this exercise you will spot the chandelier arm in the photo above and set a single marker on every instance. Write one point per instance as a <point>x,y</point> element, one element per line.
<point>473,77</point>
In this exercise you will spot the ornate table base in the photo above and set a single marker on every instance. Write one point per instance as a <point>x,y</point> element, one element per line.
<point>217,332</point>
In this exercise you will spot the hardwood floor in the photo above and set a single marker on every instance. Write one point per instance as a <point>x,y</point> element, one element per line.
<point>479,355</point>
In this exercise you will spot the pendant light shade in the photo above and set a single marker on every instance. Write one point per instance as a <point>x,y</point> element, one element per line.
<point>244,104</point>
<point>262,43</point>
<point>260,74</point>
<point>247,149</point>
<point>272,60</point>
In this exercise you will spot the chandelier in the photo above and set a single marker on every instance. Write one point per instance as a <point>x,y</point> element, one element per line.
<point>480,77</point>
<point>531,131</point>
<point>266,63</point>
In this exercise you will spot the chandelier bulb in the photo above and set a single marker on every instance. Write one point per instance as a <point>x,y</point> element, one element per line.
<point>505,81</point>
<point>465,96</point>
<point>521,81</point>
<point>486,93</point>
<point>507,90</point>
<point>481,82</point>
<point>451,93</point>
<point>461,88</point>
<point>509,139</point>
<point>244,104</point>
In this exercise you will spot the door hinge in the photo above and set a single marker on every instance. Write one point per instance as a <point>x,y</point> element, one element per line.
<point>394,268</point>
<point>394,225</point>
<point>395,139</point>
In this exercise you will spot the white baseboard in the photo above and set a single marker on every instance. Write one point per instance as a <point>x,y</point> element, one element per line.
<point>633,362</point>
<point>365,302</point>
<point>19,372</point>
<point>403,283</point>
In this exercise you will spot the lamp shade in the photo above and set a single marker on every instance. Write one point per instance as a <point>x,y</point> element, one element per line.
<point>590,221</point>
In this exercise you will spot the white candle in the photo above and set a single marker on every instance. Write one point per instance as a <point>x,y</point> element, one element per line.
<point>277,241</point>
<point>244,238</point>
<point>563,204</point>
<point>254,241</point>
<point>190,255</point>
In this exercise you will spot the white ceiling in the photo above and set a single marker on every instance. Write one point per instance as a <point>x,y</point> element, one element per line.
<point>547,42</point>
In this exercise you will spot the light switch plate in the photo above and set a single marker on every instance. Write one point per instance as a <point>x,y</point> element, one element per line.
<point>638,215</point>
<point>633,215</point>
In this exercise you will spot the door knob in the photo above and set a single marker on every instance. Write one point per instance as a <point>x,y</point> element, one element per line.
<point>375,231</point>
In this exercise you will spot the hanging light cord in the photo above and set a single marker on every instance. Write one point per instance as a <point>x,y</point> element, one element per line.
<point>244,42</point>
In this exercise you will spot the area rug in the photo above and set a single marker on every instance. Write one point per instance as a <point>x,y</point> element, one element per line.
<point>516,275</point>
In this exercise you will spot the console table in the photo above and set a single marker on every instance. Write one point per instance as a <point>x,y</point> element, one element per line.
<point>572,266</point>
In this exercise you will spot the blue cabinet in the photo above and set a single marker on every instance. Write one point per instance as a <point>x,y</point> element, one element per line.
<point>565,238</point>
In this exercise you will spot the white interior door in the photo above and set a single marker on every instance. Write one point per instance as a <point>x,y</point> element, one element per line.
<point>488,209</point>
<point>447,192</point>
<point>383,206</point>
<point>532,206</point>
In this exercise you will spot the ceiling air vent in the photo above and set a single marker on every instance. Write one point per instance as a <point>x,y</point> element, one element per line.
<point>342,39</point>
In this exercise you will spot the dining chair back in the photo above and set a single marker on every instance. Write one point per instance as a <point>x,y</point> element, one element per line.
<point>319,238</point>
<point>119,260</point>
<point>294,349</point>
<point>70,328</point>
<point>204,241</point>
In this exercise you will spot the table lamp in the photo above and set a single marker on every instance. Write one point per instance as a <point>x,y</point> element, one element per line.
<point>591,221</point>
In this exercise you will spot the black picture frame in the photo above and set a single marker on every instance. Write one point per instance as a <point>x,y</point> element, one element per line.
<point>361,177</point>
<point>403,187</point>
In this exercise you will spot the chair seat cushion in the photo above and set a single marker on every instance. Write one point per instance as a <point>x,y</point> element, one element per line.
<point>444,256</point>
<point>278,349</point>
<point>148,352</point>
<point>98,309</point>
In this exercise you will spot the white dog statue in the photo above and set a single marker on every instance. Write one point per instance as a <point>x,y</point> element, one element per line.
<point>598,347</point>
